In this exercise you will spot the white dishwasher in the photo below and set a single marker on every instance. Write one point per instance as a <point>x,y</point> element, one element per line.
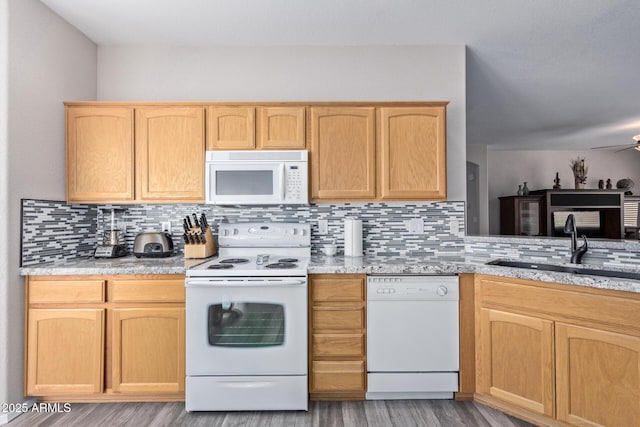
<point>412,337</point>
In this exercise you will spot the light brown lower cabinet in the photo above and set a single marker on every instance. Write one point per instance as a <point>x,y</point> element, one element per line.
<point>516,352</point>
<point>597,377</point>
<point>337,336</point>
<point>557,354</point>
<point>148,350</point>
<point>93,338</point>
<point>65,351</point>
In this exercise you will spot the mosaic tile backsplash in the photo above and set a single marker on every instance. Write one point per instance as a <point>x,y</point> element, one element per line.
<point>384,224</point>
<point>55,231</point>
<point>601,253</point>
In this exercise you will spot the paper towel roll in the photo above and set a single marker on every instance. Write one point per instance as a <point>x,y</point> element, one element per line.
<point>352,237</point>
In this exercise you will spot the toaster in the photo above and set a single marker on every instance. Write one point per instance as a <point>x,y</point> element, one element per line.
<point>153,244</point>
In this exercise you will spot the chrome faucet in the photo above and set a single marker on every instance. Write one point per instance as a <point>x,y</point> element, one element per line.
<point>576,252</point>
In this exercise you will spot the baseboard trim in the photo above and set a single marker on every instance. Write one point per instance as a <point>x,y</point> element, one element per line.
<point>8,416</point>
<point>523,414</point>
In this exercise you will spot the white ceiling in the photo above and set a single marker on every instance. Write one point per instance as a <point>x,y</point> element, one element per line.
<point>543,74</point>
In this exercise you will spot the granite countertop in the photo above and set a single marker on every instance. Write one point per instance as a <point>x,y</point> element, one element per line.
<point>321,264</point>
<point>176,264</point>
<point>465,264</point>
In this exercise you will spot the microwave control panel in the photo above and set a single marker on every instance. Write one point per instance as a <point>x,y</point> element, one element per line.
<point>296,182</point>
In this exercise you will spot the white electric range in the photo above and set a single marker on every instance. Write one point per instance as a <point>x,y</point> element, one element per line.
<point>246,320</point>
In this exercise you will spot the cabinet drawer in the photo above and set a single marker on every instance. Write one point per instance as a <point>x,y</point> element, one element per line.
<point>338,376</point>
<point>157,290</point>
<point>337,345</point>
<point>337,289</point>
<point>66,291</point>
<point>338,318</point>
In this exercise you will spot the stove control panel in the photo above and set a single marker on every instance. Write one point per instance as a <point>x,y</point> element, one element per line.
<point>276,234</point>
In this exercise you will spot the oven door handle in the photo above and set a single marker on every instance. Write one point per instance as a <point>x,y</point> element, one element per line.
<point>242,283</point>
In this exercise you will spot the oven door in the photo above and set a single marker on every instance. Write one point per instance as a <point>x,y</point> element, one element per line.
<point>245,183</point>
<point>250,327</point>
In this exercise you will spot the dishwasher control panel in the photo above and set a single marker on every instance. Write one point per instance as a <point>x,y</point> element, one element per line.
<point>412,288</point>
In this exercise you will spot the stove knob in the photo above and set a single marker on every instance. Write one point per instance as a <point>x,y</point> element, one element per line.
<point>226,232</point>
<point>442,291</point>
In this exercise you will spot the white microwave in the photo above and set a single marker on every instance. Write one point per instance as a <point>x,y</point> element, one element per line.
<point>257,177</point>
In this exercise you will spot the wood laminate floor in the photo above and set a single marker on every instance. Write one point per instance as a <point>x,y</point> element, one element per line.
<point>374,413</point>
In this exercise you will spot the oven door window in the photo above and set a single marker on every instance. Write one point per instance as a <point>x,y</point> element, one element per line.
<point>246,324</point>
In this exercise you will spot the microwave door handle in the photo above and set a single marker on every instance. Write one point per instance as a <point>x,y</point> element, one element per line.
<point>283,190</point>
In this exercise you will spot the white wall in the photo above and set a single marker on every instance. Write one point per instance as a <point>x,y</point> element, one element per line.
<point>4,205</point>
<point>477,153</point>
<point>49,62</point>
<point>507,169</point>
<point>296,73</point>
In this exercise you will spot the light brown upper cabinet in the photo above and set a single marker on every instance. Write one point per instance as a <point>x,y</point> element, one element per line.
<point>168,165</point>
<point>342,151</point>
<point>281,128</point>
<point>231,128</point>
<point>99,154</point>
<point>412,153</point>
<point>170,154</point>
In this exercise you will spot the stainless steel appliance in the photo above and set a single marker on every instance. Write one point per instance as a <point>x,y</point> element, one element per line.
<point>412,337</point>
<point>269,177</point>
<point>113,244</point>
<point>153,244</point>
<point>246,321</point>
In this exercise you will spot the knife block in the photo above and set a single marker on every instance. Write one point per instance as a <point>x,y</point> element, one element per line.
<point>201,250</point>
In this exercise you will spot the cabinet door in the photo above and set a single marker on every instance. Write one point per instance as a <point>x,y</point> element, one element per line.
<point>281,128</point>
<point>231,128</point>
<point>598,377</point>
<point>148,350</point>
<point>65,351</point>
<point>342,153</point>
<point>412,153</point>
<point>99,154</point>
<point>170,154</point>
<point>515,360</point>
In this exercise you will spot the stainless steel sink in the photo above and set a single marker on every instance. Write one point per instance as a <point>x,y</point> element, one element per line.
<point>566,269</point>
<point>533,266</point>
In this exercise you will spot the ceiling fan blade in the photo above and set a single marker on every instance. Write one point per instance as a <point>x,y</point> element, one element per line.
<point>614,146</point>
<point>628,148</point>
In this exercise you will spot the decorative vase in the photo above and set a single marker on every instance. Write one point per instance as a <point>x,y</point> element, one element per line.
<point>525,189</point>
<point>579,184</point>
<point>519,193</point>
